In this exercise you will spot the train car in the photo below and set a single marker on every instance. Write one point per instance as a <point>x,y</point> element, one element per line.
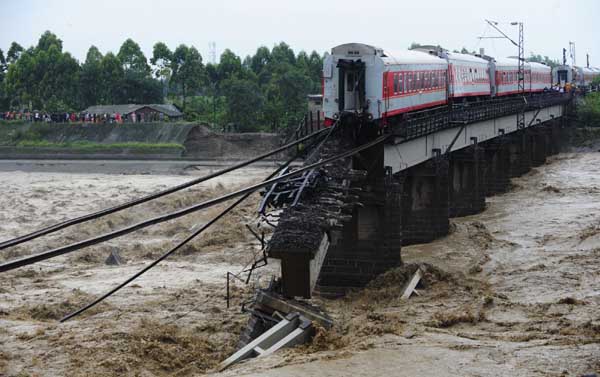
<point>583,76</point>
<point>366,80</point>
<point>561,75</point>
<point>538,77</point>
<point>469,76</point>
<point>506,76</point>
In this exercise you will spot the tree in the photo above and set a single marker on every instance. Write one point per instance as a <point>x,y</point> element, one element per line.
<point>229,65</point>
<point>43,75</point>
<point>3,68</point>
<point>133,59</point>
<point>162,58</point>
<point>111,76</point>
<point>90,80</point>
<point>282,53</point>
<point>545,60</point>
<point>243,104</point>
<point>14,52</point>
<point>47,40</point>
<point>188,71</point>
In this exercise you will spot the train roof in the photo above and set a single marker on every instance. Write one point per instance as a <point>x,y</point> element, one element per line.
<point>356,49</point>
<point>540,66</point>
<point>511,62</point>
<point>466,58</point>
<point>411,57</point>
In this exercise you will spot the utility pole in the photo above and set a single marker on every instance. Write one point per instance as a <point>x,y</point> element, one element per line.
<point>521,64</point>
<point>572,52</point>
<point>587,56</point>
<point>212,52</point>
<point>564,56</point>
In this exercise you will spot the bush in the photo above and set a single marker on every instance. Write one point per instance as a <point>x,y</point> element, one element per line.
<point>588,111</point>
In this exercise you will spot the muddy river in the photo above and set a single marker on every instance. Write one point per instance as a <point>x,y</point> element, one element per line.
<point>513,291</point>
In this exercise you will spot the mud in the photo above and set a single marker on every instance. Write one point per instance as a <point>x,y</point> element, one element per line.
<point>171,321</point>
<point>512,291</point>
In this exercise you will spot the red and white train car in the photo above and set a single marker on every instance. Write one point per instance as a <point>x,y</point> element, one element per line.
<point>538,77</point>
<point>412,80</point>
<point>506,79</point>
<point>469,76</point>
<point>365,79</point>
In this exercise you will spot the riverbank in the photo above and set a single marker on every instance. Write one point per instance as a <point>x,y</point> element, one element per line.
<point>147,141</point>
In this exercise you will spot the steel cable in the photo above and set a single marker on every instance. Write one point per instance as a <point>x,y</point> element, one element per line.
<point>108,211</point>
<point>182,212</point>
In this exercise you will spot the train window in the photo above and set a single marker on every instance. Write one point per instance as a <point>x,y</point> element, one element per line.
<point>409,81</point>
<point>401,82</point>
<point>395,83</point>
<point>426,80</point>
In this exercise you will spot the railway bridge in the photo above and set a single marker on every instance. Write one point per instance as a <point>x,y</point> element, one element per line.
<point>363,192</point>
<point>430,167</point>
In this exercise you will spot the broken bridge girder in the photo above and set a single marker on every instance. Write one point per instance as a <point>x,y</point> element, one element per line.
<point>287,192</point>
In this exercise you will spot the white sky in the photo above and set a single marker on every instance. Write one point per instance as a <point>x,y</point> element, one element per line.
<point>243,25</point>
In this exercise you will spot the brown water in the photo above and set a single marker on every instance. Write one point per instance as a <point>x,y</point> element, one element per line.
<point>522,298</point>
<point>513,291</point>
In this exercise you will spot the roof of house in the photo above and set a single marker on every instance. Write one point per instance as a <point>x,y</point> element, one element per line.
<point>167,109</point>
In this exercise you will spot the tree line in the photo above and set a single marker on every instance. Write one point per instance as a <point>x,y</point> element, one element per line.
<point>264,91</point>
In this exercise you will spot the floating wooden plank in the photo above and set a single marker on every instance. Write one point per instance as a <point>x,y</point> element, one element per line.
<point>412,284</point>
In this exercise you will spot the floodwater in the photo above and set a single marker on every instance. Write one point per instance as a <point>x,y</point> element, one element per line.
<point>513,291</point>
<point>521,298</point>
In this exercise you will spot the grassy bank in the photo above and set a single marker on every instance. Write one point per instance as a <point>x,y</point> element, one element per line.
<point>92,147</point>
<point>48,138</point>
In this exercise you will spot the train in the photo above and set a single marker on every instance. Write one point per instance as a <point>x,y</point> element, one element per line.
<point>578,76</point>
<point>381,85</point>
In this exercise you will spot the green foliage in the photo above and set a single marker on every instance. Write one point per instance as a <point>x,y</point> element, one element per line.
<point>588,112</point>
<point>133,59</point>
<point>542,59</point>
<point>14,52</point>
<point>265,91</point>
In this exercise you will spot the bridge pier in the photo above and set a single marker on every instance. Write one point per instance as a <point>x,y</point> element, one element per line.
<point>520,155</point>
<point>497,163</point>
<point>425,202</point>
<point>539,145</point>
<point>368,245</point>
<point>555,137</point>
<point>467,182</point>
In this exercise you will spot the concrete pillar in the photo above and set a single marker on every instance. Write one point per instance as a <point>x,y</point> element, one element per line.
<point>539,144</point>
<point>520,153</point>
<point>497,165</point>
<point>425,202</point>
<point>467,182</point>
<point>369,244</point>
<point>555,137</point>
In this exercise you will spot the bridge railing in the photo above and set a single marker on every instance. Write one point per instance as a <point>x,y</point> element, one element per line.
<point>427,122</point>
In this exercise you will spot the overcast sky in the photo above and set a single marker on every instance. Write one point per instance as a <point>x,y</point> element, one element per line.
<point>243,25</point>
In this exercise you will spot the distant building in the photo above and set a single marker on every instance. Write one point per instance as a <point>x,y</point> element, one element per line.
<point>143,113</point>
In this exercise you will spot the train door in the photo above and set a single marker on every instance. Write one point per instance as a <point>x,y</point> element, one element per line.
<point>562,77</point>
<point>351,85</point>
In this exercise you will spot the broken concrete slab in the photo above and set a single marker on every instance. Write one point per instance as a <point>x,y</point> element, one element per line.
<point>294,329</point>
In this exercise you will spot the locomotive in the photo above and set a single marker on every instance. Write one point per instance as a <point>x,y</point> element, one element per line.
<point>379,85</point>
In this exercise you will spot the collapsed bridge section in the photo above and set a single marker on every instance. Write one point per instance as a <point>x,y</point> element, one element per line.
<point>432,167</point>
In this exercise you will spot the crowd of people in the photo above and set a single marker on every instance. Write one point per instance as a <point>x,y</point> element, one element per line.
<point>39,116</point>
